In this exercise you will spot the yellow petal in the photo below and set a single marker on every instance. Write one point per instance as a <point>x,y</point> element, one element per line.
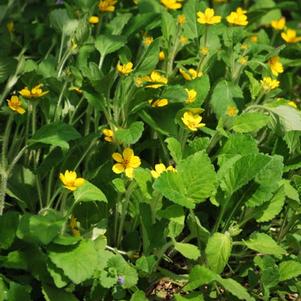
<point>118,168</point>
<point>134,162</point>
<point>117,157</point>
<point>129,172</point>
<point>79,182</point>
<point>128,153</point>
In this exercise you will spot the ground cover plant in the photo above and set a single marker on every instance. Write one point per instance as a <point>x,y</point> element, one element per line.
<point>150,150</point>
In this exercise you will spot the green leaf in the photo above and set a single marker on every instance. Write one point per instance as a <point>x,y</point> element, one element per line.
<point>53,294</point>
<point>289,269</point>
<point>107,44</point>
<point>144,181</point>
<point>195,296</point>
<point>218,251</point>
<point>138,296</point>
<point>55,134</point>
<point>8,227</point>
<point>250,122</point>
<point>60,20</point>
<point>290,118</point>
<point>255,86</point>
<point>117,24</point>
<point>130,135</point>
<point>78,263</point>
<point>146,264</point>
<point>169,26</point>
<point>188,250</point>
<point>190,11</point>
<point>264,244</point>
<point>89,193</point>
<point>194,181</point>
<point>7,67</point>
<point>18,292</point>
<point>200,275</point>
<point>175,149</point>
<point>201,85</point>
<point>235,289</point>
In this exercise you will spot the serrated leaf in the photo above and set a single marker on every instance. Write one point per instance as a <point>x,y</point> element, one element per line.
<point>255,86</point>
<point>218,251</point>
<point>290,118</point>
<point>89,193</point>
<point>130,135</point>
<point>289,269</point>
<point>264,244</point>
<point>188,250</point>
<point>175,149</point>
<point>236,289</point>
<point>107,44</point>
<point>250,122</point>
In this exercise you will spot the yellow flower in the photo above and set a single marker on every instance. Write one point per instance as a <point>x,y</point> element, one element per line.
<point>158,103</point>
<point>160,168</point>
<point>292,104</point>
<point>208,17</point>
<point>192,121</point>
<point>191,74</point>
<point>254,38</point>
<point>181,19</point>
<point>140,80</point>
<point>107,5</point>
<point>15,104</point>
<point>231,111</point>
<point>93,20</point>
<point>204,51</point>
<point>35,92</point>
<point>290,36</point>
<point>161,56</point>
<point>191,95</point>
<point>73,226</point>
<point>147,40</point>
<point>243,60</point>
<point>109,135</point>
<point>278,24</point>
<point>70,180</point>
<point>244,46</point>
<point>238,17</point>
<point>157,78</point>
<point>125,69</point>
<point>10,26</point>
<point>275,65</point>
<point>171,4</point>
<point>183,40</point>
<point>126,162</point>
<point>269,84</point>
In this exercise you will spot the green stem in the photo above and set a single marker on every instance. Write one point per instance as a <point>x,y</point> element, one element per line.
<point>85,154</point>
<point>6,139</point>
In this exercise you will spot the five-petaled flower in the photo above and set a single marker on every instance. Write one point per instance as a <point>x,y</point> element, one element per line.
<point>290,36</point>
<point>232,111</point>
<point>192,121</point>
<point>278,24</point>
<point>158,103</point>
<point>35,92</point>
<point>275,65</point>
<point>190,74</point>
<point>238,17</point>
<point>158,79</point>
<point>191,95</point>
<point>172,4</point>
<point>125,69</point>
<point>107,5</point>
<point>15,104</point>
<point>93,20</point>
<point>108,135</point>
<point>269,84</point>
<point>160,168</point>
<point>208,17</point>
<point>70,180</point>
<point>126,162</point>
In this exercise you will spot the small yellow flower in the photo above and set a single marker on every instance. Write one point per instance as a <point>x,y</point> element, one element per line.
<point>290,36</point>
<point>208,17</point>
<point>275,65</point>
<point>107,5</point>
<point>160,168</point>
<point>254,38</point>
<point>108,135</point>
<point>238,17</point>
<point>183,40</point>
<point>278,24</point>
<point>158,79</point>
<point>232,111</point>
<point>125,69</point>
<point>192,121</point>
<point>140,80</point>
<point>147,40</point>
<point>35,92</point>
<point>243,60</point>
<point>71,181</point>
<point>73,226</point>
<point>15,104</point>
<point>158,103</point>
<point>269,84</point>
<point>126,162</point>
<point>292,104</point>
<point>181,19</point>
<point>204,51</point>
<point>171,4</point>
<point>161,56</point>
<point>190,74</point>
<point>191,95</point>
<point>10,26</point>
<point>93,20</point>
